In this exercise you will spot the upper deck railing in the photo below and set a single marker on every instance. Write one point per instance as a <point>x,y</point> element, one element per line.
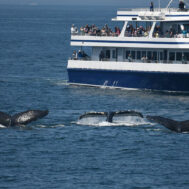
<point>164,10</point>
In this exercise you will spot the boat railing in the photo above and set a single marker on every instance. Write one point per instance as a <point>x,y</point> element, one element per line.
<point>138,35</point>
<point>95,34</point>
<point>131,61</point>
<point>164,10</point>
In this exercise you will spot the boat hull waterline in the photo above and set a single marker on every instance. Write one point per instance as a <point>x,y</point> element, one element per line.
<point>162,81</point>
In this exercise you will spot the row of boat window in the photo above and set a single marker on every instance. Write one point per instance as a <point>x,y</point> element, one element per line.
<point>142,55</point>
<point>157,55</point>
<point>150,55</point>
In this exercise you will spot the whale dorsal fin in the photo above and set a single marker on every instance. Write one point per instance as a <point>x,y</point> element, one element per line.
<point>26,117</point>
<point>168,123</point>
<point>5,119</point>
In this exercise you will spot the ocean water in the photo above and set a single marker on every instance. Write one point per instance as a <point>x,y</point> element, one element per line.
<point>59,151</point>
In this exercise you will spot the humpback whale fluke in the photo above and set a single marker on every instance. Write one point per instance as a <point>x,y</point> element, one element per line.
<point>22,118</point>
<point>177,126</point>
<point>109,115</point>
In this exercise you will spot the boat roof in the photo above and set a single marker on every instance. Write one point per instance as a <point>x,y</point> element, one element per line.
<point>159,14</point>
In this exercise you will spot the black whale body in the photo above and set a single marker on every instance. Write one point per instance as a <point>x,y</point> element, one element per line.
<point>176,126</point>
<point>22,118</point>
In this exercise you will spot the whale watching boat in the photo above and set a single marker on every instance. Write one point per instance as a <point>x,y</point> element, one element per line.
<point>151,51</point>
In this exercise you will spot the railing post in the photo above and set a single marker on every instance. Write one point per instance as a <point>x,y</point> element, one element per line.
<point>152,30</point>
<point>123,30</point>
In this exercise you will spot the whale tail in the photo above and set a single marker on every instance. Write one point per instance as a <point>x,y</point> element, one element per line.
<point>22,118</point>
<point>168,123</point>
<point>93,114</point>
<point>128,113</point>
<point>109,115</point>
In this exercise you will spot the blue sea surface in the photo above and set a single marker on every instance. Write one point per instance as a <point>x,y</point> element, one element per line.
<point>58,151</point>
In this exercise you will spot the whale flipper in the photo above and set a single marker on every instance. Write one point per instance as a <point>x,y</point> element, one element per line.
<point>5,119</point>
<point>26,117</point>
<point>168,123</point>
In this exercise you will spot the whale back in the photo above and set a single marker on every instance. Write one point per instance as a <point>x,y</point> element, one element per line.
<point>5,119</point>
<point>168,123</point>
<point>185,126</point>
<point>26,117</point>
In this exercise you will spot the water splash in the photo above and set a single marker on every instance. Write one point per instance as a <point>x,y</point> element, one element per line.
<point>51,126</point>
<point>2,126</point>
<point>105,85</point>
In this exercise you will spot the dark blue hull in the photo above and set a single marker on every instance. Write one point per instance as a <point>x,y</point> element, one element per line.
<point>131,79</point>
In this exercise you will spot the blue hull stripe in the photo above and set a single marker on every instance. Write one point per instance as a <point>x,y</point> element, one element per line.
<point>135,15</point>
<point>136,42</point>
<point>176,15</point>
<point>131,79</point>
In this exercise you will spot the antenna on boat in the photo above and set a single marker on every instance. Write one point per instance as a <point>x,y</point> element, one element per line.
<point>169,3</point>
<point>159,4</point>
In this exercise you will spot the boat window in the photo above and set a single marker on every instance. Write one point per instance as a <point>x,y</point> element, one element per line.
<point>172,56</point>
<point>114,54</point>
<point>179,56</point>
<point>186,56</point>
<point>138,55</point>
<point>161,55</point>
<point>107,53</point>
<point>143,53</point>
<point>154,55</point>
<point>165,54</point>
<point>149,55</point>
<point>127,54</point>
<point>133,54</point>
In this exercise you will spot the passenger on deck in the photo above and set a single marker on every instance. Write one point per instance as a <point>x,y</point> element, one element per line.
<point>117,31</point>
<point>130,58</point>
<point>80,55</point>
<point>74,30</point>
<point>145,34</point>
<point>82,31</point>
<point>184,33</point>
<point>144,59</point>
<point>101,56</point>
<point>151,6</point>
<point>181,5</point>
<point>86,29</point>
<point>184,61</point>
<point>74,55</point>
<point>167,34</point>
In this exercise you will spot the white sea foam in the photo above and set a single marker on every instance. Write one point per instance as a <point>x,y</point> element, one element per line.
<point>2,126</point>
<point>53,126</point>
